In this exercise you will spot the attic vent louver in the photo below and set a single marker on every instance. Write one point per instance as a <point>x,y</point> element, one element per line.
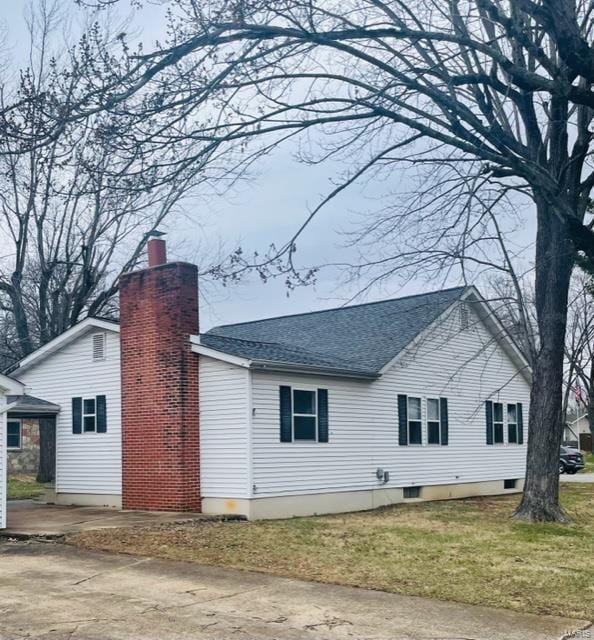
<point>464,317</point>
<point>98,347</point>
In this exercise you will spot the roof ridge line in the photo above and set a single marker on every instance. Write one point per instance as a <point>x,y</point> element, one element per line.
<point>352,306</point>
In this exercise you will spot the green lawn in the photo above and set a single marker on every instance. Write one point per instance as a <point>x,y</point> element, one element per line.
<point>463,550</point>
<point>23,487</point>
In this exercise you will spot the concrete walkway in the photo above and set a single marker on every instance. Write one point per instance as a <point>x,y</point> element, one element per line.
<point>578,477</point>
<point>51,591</point>
<point>26,518</point>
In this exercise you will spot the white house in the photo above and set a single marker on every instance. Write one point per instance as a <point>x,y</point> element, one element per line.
<point>8,387</point>
<point>417,398</point>
<point>578,431</point>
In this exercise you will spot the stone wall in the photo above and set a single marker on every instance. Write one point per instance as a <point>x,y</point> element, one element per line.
<point>26,459</point>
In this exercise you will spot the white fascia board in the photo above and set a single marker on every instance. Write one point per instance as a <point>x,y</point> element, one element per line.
<point>65,338</point>
<point>489,319</point>
<point>11,387</point>
<point>202,350</point>
<point>499,332</point>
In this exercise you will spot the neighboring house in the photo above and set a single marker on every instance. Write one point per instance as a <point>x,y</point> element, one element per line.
<point>578,431</point>
<point>417,398</point>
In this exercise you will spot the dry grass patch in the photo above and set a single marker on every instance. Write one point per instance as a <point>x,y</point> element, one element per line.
<point>464,550</point>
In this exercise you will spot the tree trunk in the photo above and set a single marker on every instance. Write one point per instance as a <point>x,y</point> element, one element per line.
<point>554,262</point>
<point>590,406</point>
<point>47,450</point>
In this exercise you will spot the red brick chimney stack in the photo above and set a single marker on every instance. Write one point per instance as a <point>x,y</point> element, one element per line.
<point>160,423</point>
<point>157,251</point>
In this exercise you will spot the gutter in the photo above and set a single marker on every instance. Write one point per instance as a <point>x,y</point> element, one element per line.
<point>272,365</point>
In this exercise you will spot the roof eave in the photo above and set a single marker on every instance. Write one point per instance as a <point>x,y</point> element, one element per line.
<point>273,365</point>
<point>289,367</point>
<point>62,340</point>
<point>34,408</point>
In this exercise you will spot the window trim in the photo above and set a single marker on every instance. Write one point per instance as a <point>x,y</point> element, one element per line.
<point>408,420</point>
<point>294,414</point>
<point>438,421</point>
<point>20,423</point>
<point>88,415</point>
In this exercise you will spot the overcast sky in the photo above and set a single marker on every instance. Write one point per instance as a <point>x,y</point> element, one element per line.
<point>262,211</point>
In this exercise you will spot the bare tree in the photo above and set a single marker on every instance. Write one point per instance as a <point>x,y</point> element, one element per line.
<point>580,349</point>
<point>493,94</point>
<point>68,227</point>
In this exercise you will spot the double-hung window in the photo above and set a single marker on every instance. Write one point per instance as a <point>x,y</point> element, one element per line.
<point>504,418</point>
<point>89,415</point>
<point>410,420</point>
<point>303,415</point>
<point>433,421</point>
<point>512,423</point>
<point>415,421</point>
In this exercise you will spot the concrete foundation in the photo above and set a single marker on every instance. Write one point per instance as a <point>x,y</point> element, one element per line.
<point>83,499</point>
<point>345,501</point>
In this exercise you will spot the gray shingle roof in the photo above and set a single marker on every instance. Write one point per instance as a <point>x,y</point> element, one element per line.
<point>32,404</point>
<point>359,339</point>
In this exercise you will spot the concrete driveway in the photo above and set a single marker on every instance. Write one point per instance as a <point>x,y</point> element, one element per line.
<point>51,591</point>
<point>26,518</point>
<point>578,477</point>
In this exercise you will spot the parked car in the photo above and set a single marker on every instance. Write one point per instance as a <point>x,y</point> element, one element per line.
<point>570,460</point>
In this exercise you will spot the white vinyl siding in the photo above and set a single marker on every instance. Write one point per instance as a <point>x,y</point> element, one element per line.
<point>465,366</point>
<point>224,428</point>
<point>3,461</point>
<point>88,462</point>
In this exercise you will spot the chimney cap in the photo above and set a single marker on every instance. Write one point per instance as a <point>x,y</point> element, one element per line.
<point>155,233</point>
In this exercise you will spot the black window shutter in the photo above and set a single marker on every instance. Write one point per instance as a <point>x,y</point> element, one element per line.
<point>322,415</point>
<point>520,420</point>
<point>443,419</point>
<point>402,421</point>
<point>286,415</point>
<point>76,415</point>
<point>101,410</point>
<point>489,412</point>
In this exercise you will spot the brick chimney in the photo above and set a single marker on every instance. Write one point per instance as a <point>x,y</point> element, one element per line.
<point>160,423</point>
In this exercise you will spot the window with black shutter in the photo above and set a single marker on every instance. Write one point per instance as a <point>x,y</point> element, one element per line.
<point>89,415</point>
<point>505,423</point>
<point>437,421</point>
<point>303,415</point>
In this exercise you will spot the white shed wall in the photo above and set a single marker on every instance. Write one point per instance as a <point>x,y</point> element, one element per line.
<point>86,463</point>
<point>466,366</point>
